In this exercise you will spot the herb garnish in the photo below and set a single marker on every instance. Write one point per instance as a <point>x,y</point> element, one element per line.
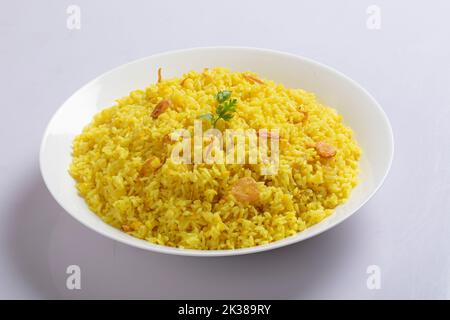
<point>224,110</point>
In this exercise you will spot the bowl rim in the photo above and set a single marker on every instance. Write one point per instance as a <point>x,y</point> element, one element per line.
<point>142,244</point>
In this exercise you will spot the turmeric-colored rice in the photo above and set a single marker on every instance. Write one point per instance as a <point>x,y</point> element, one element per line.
<point>191,205</point>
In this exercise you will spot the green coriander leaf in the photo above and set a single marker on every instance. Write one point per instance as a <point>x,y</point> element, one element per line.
<point>220,109</point>
<point>227,116</point>
<point>223,96</point>
<point>228,106</point>
<point>224,110</point>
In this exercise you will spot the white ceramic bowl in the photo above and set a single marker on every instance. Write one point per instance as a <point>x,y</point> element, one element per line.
<point>359,109</point>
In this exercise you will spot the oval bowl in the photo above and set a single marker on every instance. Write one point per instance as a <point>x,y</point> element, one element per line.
<point>359,109</point>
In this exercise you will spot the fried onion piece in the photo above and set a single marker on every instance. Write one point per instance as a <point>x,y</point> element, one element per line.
<point>160,108</point>
<point>151,165</point>
<point>126,228</point>
<point>325,150</point>
<point>245,190</point>
<point>253,79</point>
<point>159,75</point>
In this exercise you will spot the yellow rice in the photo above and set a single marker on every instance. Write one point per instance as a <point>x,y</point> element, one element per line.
<point>190,206</point>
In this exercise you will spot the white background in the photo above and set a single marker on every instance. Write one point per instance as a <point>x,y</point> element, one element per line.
<point>404,229</point>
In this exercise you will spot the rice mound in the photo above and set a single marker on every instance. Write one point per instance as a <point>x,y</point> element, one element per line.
<point>191,205</point>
